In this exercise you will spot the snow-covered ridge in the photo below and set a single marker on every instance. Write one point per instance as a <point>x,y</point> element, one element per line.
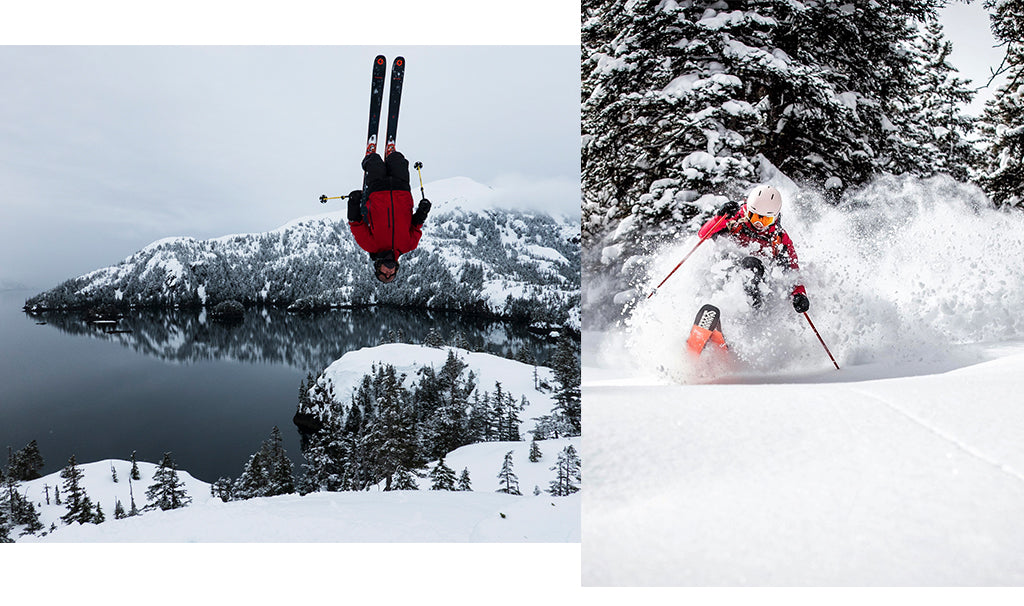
<point>517,264</point>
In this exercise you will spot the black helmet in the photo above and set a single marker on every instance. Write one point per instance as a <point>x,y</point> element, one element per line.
<point>385,266</point>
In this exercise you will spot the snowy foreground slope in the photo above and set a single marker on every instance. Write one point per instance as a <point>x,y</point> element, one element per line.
<point>907,481</point>
<point>481,515</point>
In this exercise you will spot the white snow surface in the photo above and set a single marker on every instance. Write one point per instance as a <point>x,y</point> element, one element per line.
<point>771,467</point>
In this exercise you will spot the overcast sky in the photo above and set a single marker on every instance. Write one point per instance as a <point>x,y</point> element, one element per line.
<point>105,149</point>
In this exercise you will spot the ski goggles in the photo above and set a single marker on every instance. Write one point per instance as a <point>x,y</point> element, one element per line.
<point>762,221</point>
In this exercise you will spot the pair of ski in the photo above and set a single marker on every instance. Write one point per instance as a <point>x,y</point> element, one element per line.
<point>380,65</point>
<point>707,327</point>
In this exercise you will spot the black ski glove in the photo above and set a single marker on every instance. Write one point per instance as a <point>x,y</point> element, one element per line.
<point>800,303</point>
<point>355,201</point>
<point>420,216</point>
<point>729,208</point>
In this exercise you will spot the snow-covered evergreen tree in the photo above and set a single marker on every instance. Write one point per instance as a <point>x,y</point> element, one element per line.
<point>134,474</point>
<point>167,490</point>
<point>535,454</point>
<point>464,482</point>
<point>1002,122</point>
<point>931,133</point>
<point>567,473</point>
<point>119,512</point>
<point>688,104</point>
<point>508,480</point>
<point>442,476</point>
<point>391,435</point>
<point>75,500</point>
<point>403,479</point>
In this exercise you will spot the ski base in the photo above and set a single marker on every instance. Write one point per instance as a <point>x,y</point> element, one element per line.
<point>707,327</point>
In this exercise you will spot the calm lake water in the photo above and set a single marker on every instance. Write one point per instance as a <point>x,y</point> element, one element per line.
<point>206,392</point>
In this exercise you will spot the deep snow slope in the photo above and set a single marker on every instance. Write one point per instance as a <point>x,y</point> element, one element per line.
<point>906,481</point>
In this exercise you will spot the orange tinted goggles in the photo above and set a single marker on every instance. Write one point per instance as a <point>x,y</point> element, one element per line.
<point>762,220</point>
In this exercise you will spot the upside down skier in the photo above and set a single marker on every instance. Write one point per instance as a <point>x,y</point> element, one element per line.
<point>756,227</point>
<point>385,225</point>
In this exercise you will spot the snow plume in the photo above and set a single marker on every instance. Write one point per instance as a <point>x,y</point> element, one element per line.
<point>900,271</point>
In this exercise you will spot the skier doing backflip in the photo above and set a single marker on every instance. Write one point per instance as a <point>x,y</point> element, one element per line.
<point>756,227</point>
<point>386,226</point>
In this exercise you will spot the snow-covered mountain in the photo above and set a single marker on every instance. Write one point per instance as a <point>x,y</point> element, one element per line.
<point>495,262</point>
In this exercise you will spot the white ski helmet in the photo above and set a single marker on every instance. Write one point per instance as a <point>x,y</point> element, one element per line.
<point>764,205</point>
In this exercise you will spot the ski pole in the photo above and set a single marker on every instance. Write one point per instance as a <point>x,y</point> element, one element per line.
<point>699,242</point>
<point>418,166</point>
<point>324,198</point>
<point>821,340</point>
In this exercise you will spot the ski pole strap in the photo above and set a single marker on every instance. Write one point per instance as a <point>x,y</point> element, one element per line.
<point>821,340</point>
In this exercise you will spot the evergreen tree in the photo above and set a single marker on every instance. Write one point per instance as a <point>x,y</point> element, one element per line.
<point>1001,174</point>
<point>391,435</point>
<point>77,502</point>
<point>119,513</point>
<point>268,472</point>
<point>442,477</point>
<point>113,473</point>
<point>222,489</point>
<point>98,517</point>
<point>464,482</point>
<point>688,104</point>
<point>135,475</point>
<point>567,473</point>
<point>434,339</point>
<point>403,480</point>
<point>167,490</point>
<point>509,481</point>
<point>24,465</point>
<point>930,132</point>
<point>568,406</point>
<point>535,454</point>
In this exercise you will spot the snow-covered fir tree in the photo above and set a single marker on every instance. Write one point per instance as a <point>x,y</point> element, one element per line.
<point>442,477</point>
<point>134,474</point>
<point>508,480</point>
<point>567,473</point>
<point>167,490</point>
<point>535,453</point>
<point>1002,123</point>
<point>391,434</point>
<point>687,104</point>
<point>931,134</point>
<point>24,465</point>
<point>403,479</point>
<point>78,504</point>
<point>464,482</point>
<point>269,471</point>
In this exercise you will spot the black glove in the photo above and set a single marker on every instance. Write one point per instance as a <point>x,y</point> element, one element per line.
<point>729,208</point>
<point>420,216</point>
<point>355,202</point>
<point>800,303</point>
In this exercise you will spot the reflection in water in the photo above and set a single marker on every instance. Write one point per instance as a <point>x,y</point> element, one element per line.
<point>106,403</point>
<point>309,342</point>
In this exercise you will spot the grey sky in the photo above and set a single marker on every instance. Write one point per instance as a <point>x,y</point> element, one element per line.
<point>105,149</point>
<point>974,54</point>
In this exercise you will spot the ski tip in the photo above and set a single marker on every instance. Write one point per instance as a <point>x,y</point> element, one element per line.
<point>380,60</point>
